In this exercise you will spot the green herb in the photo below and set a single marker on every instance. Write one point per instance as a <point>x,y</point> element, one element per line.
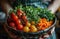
<point>34,14</point>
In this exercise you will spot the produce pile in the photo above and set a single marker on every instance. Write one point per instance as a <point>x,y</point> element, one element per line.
<point>30,19</point>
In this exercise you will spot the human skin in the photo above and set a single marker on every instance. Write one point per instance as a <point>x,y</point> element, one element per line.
<point>5,6</point>
<point>54,6</point>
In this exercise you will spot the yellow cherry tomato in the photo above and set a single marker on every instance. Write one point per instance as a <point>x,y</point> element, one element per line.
<point>26,29</point>
<point>33,29</point>
<point>28,24</point>
<point>32,26</point>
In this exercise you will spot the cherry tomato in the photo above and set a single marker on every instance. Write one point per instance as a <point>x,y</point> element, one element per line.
<point>20,27</point>
<point>26,29</point>
<point>33,28</point>
<point>24,18</point>
<point>18,22</point>
<point>28,24</point>
<point>12,24</point>
<point>19,12</point>
<point>13,16</point>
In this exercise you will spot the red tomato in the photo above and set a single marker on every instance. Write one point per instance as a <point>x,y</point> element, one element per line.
<point>14,17</point>
<point>12,24</point>
<point>18,22</point>
<point>20,27</point>
<point>25,19</point>
<point>19,13</point>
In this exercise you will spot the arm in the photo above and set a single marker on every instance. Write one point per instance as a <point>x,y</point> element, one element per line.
<point>5,6</point>
<point>53,7</point>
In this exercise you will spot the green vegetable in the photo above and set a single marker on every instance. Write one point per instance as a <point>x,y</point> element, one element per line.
<point>34,14</point>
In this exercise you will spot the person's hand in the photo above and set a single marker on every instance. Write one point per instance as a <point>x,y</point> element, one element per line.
<point>5,6</point>
<point>54,6</point>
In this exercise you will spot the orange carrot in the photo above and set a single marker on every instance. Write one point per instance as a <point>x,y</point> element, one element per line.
<point>43,23</point>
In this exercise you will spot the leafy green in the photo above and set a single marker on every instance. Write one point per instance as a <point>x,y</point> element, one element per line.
<point>45,13</point>
<point>35,13</point>
<point>31,13</point>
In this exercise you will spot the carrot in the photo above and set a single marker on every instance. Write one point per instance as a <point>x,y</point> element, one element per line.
<point>43,23</point>
<point>42,28</point>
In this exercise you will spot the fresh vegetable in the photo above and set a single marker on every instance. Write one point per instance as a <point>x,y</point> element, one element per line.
<point>43,24</point>
<point>30,19</point>
<point>19,12</point>
<point>26,29</point>
<point>32,13</point>
<point>18,22</point>
<point>13,16</point>
<point>12,24</point>
<point>24,18</point>
<point>28,24</point>
<point>33,28</point>
<point>20,27</point>
<point>46,14</point>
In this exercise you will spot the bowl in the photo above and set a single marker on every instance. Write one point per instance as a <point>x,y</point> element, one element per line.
<point>31,34</point>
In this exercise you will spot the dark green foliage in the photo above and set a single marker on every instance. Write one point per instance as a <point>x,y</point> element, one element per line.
<point>35,13</point>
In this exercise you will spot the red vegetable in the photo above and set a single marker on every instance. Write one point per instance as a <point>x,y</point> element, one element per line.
<point>19,12</point>
<point>20,27</point>
<point>13,16</point>
<point>12,24</point>
<point>18,22</point>
<point>24,18</point>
